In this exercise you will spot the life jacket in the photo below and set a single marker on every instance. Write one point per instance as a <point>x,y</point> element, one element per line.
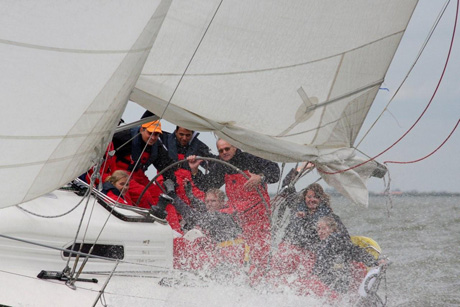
<point>204,253</point>
<point>111,191</point>
<point>252,214</point>
<point>183,173</point>
<point>145,158</point>
<point>171,144</point>
<point>247,204</point>
<point>126,159</point>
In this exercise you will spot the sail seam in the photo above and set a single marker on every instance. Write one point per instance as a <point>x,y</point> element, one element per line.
<point>279,67</point>
<point>422,48</point>
<point>313,107</point>
<point>52,137</point>
<point>43,162</point>
<point>316,128</point>
<point>191,59</point>
<point>150,37</point>
<point>329,94</point>
<point>378,82</point>
<point>70,50</point>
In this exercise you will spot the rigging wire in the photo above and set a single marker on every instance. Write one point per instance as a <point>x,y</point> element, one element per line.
<point>101,164</point>
<point>191,58</point>
<point>54,216</point>
<point>425,43</point>
<point>86,194</point>
<point>430,154</point>
<point>283,165</point>
<point>150,268</point>
<point>90,189</point>
<point>130,174</point>
<point>82,242</point>
<point>87,197</point>
<point>113,208</point>
<point>421,115</point>
<point>73,252</point>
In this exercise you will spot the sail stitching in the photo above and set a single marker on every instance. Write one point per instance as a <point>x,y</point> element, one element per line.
<point>308,103</point>
<point>425,43</point>
<point>424,110</point>
<point>279,67</point>
<point>71,50</point>
<point>329,94</point>
<point>71,157</point>
<point>141,57</point>
<point>191,59</point>
<point>313,129</point>
<point>313,107</point>
<point>52,137</point>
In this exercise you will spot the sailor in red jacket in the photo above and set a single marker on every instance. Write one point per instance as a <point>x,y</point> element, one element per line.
<point>252,212</point>
<point>116,187</point>
<point>135,151</point>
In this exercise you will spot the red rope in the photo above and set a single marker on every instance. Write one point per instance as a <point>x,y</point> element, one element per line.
<point>421,115</point>
<point>423,158</point>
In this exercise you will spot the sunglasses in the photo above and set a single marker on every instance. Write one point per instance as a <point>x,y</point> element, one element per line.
<point>225,149</point>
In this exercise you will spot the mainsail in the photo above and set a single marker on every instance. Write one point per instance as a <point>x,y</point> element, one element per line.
<point>67,71</point>
<point>287,81</point>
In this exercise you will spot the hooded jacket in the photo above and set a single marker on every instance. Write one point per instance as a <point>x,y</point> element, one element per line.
<point>302,232</point>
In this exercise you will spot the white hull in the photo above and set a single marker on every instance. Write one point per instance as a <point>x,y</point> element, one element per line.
<point>147,251</point>
<point>148,258</point>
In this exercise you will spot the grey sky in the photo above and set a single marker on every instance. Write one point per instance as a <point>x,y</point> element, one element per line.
<point>439,172</point>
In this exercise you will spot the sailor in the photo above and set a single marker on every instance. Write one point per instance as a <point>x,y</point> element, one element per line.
<point>252,211</point>
<point>334,256</point>
<point>213,238</point>
<point>181,144</point>
<point>295,254</point>
<point>135,151</point>
<point>209,215</point>
<point>116,186</point>
<point>314,203</point>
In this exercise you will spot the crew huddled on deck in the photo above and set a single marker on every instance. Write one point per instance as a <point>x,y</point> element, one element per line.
<point>314,204</point>
<point>316,254</point>
<point>135,150</point>
<point>248,199</point>
<point>327,263</point>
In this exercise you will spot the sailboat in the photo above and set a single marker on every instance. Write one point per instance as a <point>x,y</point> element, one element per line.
<point>288,82</point>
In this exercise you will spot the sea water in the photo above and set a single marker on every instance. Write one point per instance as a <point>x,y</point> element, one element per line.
<point>421,236</point>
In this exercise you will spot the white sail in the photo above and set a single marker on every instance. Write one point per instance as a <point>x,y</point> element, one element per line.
<point>288,81</point>
<point>67,69</point>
